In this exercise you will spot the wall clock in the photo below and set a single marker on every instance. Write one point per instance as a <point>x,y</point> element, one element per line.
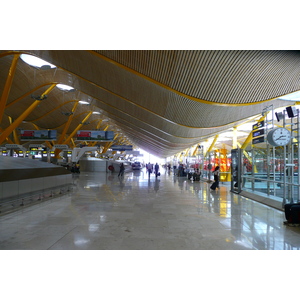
<point>279,137</point>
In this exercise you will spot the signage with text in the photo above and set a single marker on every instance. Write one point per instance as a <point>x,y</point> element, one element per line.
<point>258,140</point>
<point>258,132</point>
<point>258,125</point>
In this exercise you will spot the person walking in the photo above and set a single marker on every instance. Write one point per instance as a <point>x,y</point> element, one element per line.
<point>216,173</point>
<point>122,169</point>
<point>149,169</point>
<point>156,169</point>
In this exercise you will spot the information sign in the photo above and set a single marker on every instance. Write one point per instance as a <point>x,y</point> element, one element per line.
<point>258,125</point>
<point>258,132</point>
<point>258,140</point>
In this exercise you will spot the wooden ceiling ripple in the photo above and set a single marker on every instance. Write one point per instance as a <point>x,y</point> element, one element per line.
<point>225,77</point>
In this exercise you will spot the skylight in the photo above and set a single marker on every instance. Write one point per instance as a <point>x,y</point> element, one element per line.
<point>64,87</point>
<point>83,102</point>
<point>291,97</point>
<point>36,62</point>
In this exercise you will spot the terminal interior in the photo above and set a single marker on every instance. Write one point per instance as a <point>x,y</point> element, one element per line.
<point>69,119</point>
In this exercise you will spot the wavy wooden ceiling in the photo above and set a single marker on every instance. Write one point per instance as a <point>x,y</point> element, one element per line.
<point>162,101</point>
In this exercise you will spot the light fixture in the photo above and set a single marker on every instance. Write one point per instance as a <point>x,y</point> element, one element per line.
<point>65,87</point>
<point>96,113</point>
<point>39,97</point>
<point>67,113</point>
<point>83,102</point>
<point>36,62</point>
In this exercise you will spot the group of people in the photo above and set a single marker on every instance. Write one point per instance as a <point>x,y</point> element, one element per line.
<point>150,169</point>
<point>196,175</point>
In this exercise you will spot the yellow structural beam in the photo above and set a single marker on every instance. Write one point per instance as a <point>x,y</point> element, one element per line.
<point>212,144</point>
<point>8,84</point>
<point>77,128</point>
<point>19,120</point>
<point>109,144</point>
<point>67,125</point>
<point>51,111</point>
<point>234,138</point>
<point>195,150</point>
<point>15,135</point>
<point>28,94</point>
<point>9,141</point>
<point>73,143</point>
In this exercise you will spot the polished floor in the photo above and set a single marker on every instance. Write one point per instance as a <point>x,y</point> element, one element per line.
<point>106,212</point>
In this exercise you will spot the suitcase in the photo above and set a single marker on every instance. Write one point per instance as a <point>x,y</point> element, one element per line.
<point>292,213</point>
<point>214,185</point>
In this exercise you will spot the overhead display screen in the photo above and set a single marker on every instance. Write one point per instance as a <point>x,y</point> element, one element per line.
<point>38,135</point>
<point>92,135</point>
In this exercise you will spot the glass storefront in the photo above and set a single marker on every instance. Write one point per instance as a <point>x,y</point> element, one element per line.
<point>273,172</point>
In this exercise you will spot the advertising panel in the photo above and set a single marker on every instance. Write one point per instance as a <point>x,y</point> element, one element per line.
<point>38,135</point>
<point>93,135</point>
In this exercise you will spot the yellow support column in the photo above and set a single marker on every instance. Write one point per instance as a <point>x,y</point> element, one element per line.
<point>8,84</point>
<point>234,138</point>
<point>109,144</point>
<point>77,128</point>
<point>18,121</point>
<point>195,150</point>
<point>67,125</point>
<point>15,135</point>
<point>212,145</point>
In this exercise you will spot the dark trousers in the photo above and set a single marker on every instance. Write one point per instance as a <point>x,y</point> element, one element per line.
<point>216,179</point>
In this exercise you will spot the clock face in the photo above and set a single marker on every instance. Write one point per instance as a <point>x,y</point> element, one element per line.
<point>279,137</point>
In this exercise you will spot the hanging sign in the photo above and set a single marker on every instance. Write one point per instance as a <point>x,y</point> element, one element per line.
<point>258,125</point>
<point>258,132</point>
<point>61,146</point>
<point>121,147</point>
<point>13,146</point>
<point>258,140</point>
<point>92,135</point>
<point>38,135</point>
